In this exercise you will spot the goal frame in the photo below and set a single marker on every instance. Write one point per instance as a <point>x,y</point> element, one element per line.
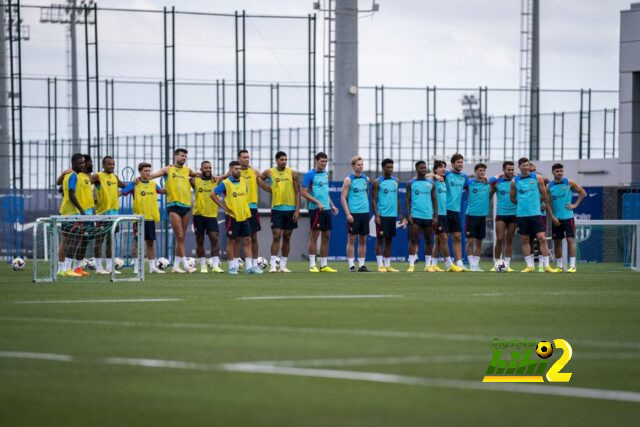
<point>632,222</point>
<point>52,226</point>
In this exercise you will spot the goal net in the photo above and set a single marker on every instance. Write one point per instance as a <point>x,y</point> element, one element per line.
<point>607,245</point>
<point>106,244</point>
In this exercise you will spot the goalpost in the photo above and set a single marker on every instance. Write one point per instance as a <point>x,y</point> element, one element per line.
<point>613,242</point>
<point>79,235</point>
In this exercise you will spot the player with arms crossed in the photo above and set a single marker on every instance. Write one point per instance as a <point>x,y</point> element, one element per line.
<point>178,203</point>
<point>315,188</point>
<point>355,202</point>
<point>526,191</point>
<point>560,191</point>
<point>285,209</point>
<point>480,193</point>
<point>235,191</point>
<point>422,215</point>
<point>387,210</point>
<point>505,215</point>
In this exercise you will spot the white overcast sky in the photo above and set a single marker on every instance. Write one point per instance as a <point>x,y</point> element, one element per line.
<point>453,43</point>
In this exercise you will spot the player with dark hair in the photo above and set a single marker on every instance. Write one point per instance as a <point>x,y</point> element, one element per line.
<point>355,202</point>
<point>456,181</point>
<point>422,215</point>
<point>315,188</point>
<point>560,191</point>
<point>480,193</point>
<point>387,210</point>
<point>505,219</point>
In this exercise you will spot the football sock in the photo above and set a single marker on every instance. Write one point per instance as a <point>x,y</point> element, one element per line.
<point>272,261</point>
<point>323,261</point>
<point>60,266</point>
<point>427,260</point>
<point>387,262</point>
<point>434,262</point>
<point>507,259</point>
<point>361,262</point>
<point>459,263</point>
<point>312,261</point>
<point>412,260</point>
<point>448,262</point>
<point>545,261</point>
<point>529,260</point>
<point>98,263</point>
<point>248,262</point>
<point>380,260</point>
<point>350,261</point>
<point>283,262</point>
<point>203,262</point>
<point>176,261</point>
<point>109,262</point>
<point>559,262</point>
<point>216,261</point>
<point>572,262</point>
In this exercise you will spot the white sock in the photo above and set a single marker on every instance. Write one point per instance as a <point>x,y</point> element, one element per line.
<point>350,261</point>
<point>98,263</point>
<point>203,262</point>
<point>427,260</point>
<point>361,262</point>
<point>216,261</point>
<point>434,261</point>
<point>152,264</point>
<point>387,262</point>
<point>529,260</point>
<point>545,261</point>
<point>233,263</point>
<point>109,262</point>
<point>248,263</point>
<point>459,263</point>
<point>283,262</point>
<point>67,264</point>
<point>507,260</point>
<point>272,261</point>
<point>176,262</point>
<point>572,262</point>
<point>448,261</point>
<point>380,260</point>
<point>412,260</point>
<point>312,261</point>
<point>60,266</point>
<point>135,263</point>
<point>76,264</point>
<point>559,262</point>
<point>323,261</point>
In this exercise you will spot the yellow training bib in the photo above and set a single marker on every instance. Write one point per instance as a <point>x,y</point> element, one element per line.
<point>84,191</point>
<point>282,189</point>
<point>107,193</point>
<point>178,186</point>
<point>203,205</point>
<point>145,201</point>
<point>237,199</point>
<point>250,176</point>
<point>67,208</point>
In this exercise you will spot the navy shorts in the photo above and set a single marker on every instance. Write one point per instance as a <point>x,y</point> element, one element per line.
<point>387,227</point>
<point>180,210</point>
<point>204,225</point>
<point>149,229</point>
<point>443,227</point>
<point>320,220</point>
<point>530,225</point>
<point>453,222</point>
<point>235,229</point>
<point>566,228</point>
<point>507,219</point>
<point>282,220</point>
<point>254,221</point>
<point>360,224</point>
<point>476,227</point>
<point>423,223</point>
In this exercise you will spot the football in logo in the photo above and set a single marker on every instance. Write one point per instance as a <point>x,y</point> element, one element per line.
<point>355,190</point>
<point>475,190</point>
<point>200,190</point>
<point>385,191</point>
<point>544,349</point>
<point>416,192</point>
<point>143,193</point>
<point>234,194</point>
<point>277,179</point>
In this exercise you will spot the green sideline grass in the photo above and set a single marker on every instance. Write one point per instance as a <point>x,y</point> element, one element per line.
<point>430,326</point>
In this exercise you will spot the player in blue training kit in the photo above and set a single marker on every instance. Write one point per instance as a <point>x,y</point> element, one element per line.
<point>422,214</point>
<point>355,202</point>
<point>386,208</point>
<point>441,245</point>
<point>480,193</point>
<point>560,192</point>
<point>315,188</point>
<point>527,189</point>
<point>456,181</point>
<point>505,219</point>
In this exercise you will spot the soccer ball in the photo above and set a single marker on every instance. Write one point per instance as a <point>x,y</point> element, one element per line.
<point>209,262</point>
<point>240,263</point>
<point>544,349</point>
<point>191,262</point>
<point>118,263</point>
<point>18,264</point>
<point>89,264</point>
<point>500,266</point>
<point>262,263</point>
<point>162,263</point>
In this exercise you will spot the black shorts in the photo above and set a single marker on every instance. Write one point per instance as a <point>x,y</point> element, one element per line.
<point>387,227</point>
<point>180,210</point>
<point>72,227</point>
<point>254,221</point>
<point>423,223</point>
<point>235,229</point>
<point>282,220</point>
<point>507,219</point>
<point>530,225</point>
<point>476,227</point>
<point>360,224</point>
<point>566,228</point>
<point>453,222</point>
<point>443,227</point>
<point>149,229</point>
<point>320,220</point>
<point>204,225</point>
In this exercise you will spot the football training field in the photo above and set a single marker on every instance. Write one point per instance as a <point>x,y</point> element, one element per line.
<point>314,349</point>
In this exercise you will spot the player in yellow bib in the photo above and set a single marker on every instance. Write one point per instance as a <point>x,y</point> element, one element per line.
<point>145,202</point>
<point>285,209</point>
<point>106,184</point>
<point>205,216</point>
<point>235,191</point>
<point>178,191</point>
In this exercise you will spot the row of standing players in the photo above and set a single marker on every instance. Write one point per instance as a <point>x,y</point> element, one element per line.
<point>433,205</point>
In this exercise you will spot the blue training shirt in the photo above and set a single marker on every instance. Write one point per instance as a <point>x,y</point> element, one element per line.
<point>503,190</point>
<point>421,203</point>
<point>560,197</point>
<point>358,198</point>
<point>441,193</point>
<point>456,182</point>
<point>317,182</point>
<point>479,191</point>
<point>388,196</point>
<point>528,196</point>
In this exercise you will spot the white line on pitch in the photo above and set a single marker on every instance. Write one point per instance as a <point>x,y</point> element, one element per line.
<point>302,330</point>
<point>280,297</point>
<point>39,356</point>
<point>253,368</point>
<point>90,301</point>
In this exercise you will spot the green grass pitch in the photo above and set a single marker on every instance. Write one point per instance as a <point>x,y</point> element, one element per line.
<point>209,352</point>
